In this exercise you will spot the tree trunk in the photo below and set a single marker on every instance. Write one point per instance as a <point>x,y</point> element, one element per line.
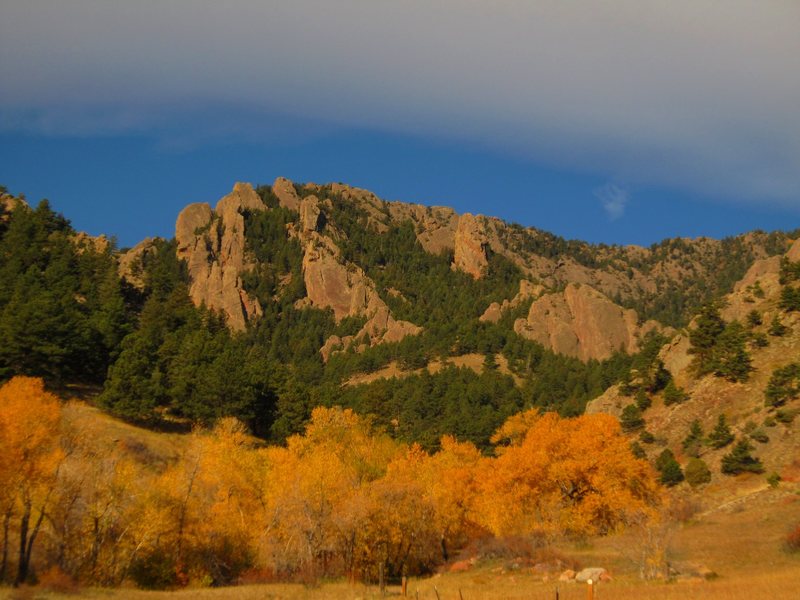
<point>4,563</point>
<point>22,564</point>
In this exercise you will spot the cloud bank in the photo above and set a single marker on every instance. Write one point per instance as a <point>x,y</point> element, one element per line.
<point>701,95</point>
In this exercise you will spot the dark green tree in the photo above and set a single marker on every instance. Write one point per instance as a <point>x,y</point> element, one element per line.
<point>721,435</point>
<point>631,418</point>
<point>740,460</point>
<point>669,468</point>
<point>703,338</point>
<point>674,394</point>
<point>729,358</point>
<point>694,439</point>
<point>783,385</point>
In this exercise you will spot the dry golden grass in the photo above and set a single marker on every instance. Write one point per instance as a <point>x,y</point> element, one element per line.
<point>480,585</point>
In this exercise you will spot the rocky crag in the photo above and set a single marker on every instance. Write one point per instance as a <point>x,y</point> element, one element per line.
<point>585,301</point>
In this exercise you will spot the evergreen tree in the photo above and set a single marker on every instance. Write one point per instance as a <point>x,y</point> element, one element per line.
<point>730,358</point>
<point>643,401</point>
<point>740,460</point>
<point>783,385</point>
<point>721,436</point>
<point>694,439</point>
<point>631,418</point>
<point>674,394</point>
<point>703,338</point>
<point>668,467</point>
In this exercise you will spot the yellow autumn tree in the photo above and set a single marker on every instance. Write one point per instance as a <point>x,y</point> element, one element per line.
<point>317,499</point>
<point>31,458</point>
<point>563,476</point>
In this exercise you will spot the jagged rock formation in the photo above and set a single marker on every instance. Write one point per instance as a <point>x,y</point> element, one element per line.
<point>495,310</point>
<point>287,195</point>
<point>470,246</point>
<point>349,293</point>
<point>581,322</point>
<point>213,245</point>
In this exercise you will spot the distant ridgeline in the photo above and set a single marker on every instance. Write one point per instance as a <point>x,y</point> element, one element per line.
<point>287,297</point>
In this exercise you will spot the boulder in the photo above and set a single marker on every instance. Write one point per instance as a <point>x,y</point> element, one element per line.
<point>568,575</point>
<point>596,574</point>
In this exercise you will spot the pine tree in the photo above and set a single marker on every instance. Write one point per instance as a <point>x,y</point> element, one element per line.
<point>693,440</point>
<point>721,436</point>
<point>739,460</point>
<point>729,357</point>
<point>673,394</point>
<point>671,473</point>
<point>703,338</point>
<point>631,418</point>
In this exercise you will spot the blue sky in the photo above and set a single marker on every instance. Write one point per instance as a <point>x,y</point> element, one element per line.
<point>617,122</point>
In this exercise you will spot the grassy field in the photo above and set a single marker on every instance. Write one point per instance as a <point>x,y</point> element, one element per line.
<point>481,585</point>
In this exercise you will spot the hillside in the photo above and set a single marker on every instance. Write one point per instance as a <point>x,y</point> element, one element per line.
<point>288,296</point>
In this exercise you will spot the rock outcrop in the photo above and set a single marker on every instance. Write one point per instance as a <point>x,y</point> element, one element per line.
<point>495,310</point>
<point>286,194</point>
<point>130,264</point>
<point>213,245</point>
<point>581,322</point>
<point>470,247</point>
<point>347,290</point>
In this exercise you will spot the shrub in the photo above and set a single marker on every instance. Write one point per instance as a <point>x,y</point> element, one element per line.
<point>647,437</point>
<point>776,328</point>
<point>773,480</point>
<point>643,401</point>
<point>697,472</point>
<point>754,318</point>
<point>785,416</point>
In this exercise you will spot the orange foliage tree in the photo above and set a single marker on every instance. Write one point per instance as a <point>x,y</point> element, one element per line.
<point>31,458</point>
<point>563,476</point>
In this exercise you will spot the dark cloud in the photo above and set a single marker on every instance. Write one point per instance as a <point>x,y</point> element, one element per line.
<point>699,94</point>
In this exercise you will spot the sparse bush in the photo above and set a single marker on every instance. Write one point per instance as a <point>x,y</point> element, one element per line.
<point>55,580</point>
<point>637,450</point>
<point>647,437</point>
<point>643,401</point>
<point>773,479</point>
<point>785,416</point>
<point>754,318</point>
<point>697,472</point>
<point>776,328</point>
